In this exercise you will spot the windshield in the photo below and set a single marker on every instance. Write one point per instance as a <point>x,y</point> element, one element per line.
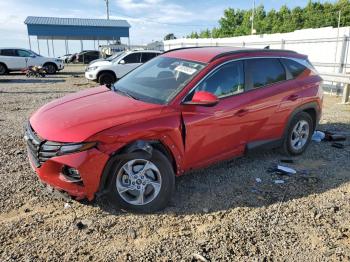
<point>116,55</point>
<point>159,80</point>
<point>35,53</point>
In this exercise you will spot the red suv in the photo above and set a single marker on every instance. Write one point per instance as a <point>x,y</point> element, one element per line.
<point>185,109</point>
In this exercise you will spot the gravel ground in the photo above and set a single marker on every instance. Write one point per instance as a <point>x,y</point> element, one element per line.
<point>217,214</point>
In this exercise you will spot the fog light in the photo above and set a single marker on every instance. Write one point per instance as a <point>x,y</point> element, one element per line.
<point>71,174</point>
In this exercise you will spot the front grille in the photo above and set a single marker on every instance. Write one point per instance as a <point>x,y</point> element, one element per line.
<point>40,150</point>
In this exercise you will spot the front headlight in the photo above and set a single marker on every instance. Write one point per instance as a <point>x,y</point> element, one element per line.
<point>91,68</point>
<point>74,148</point>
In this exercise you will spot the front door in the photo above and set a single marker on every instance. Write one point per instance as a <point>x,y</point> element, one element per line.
<point>218,132</point>
<point>131,61</point>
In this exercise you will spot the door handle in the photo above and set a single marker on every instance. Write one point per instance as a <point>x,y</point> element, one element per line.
<point>293,97</point>
<point>242,112</point>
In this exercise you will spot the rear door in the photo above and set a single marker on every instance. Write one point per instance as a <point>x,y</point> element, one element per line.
<point>145,57</point>
<point>266,85</point>
<point>131,61</point>
<point>12,60</point>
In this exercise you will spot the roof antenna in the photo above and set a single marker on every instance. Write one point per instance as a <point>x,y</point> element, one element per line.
<point>267,47</point>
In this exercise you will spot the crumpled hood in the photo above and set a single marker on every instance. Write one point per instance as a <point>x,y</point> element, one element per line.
<point>76,117</point>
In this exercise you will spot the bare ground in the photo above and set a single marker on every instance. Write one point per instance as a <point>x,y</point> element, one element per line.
<point>220,213</point>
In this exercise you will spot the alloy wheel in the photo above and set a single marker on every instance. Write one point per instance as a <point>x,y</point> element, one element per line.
<point>138,182</point>
<point>300,135</point>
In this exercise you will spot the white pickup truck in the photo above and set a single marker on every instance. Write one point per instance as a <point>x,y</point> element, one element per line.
<point>17,59</point>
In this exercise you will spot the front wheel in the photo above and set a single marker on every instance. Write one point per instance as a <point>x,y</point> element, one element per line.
<point>298,134</point>
<point>51,68</point>
<point>106,79</point>
<point>142,185</point>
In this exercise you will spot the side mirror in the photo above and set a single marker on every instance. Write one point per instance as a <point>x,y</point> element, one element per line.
<point>203,98</point>
<point>122,62</point>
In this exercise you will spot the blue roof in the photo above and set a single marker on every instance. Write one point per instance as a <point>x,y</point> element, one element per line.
<point>38,20</point>
<point>76,28</point>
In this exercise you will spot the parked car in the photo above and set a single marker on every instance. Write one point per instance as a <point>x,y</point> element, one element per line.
<point>18,59</point>
<point>183,110</point>
<point>109,71</point>
<point>65,57</point>
<point>87,56</point>
<point>110,58</point>
<point>72,58</point>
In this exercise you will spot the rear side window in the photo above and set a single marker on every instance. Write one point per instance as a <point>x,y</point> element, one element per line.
<point>264,71</point>
<point>132,58</point>
<point>8,52</point>
<point>147,56</point>
<point>225,81</point>
<point>296,69</point>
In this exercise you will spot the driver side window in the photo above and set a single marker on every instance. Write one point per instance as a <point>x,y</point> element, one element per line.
<point>225,81</point>
<point>132,58</point>
<point>23,53</point>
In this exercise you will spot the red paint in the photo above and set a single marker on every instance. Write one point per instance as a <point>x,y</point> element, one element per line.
<point>213,133</point>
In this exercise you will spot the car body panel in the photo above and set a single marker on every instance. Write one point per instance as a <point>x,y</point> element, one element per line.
<point>77,117</point>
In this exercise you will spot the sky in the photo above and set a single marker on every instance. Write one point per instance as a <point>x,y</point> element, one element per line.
<point>150,19</point>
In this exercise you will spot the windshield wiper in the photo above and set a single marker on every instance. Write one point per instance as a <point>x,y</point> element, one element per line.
<point>124,93</point>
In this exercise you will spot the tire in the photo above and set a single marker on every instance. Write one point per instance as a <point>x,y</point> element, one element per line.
<point>3,69</point>
<point>153,199</point>
<point>51,68</point>
<point>106,78</point>
<point>298,134</point>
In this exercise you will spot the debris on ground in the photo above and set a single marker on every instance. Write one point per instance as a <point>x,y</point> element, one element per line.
<point>318,136</point>
<point>286,170</point>
<point>288,161</point>
<point>131,233</point>
<point>80,225</point>
<point>331,136</point>
<point>281,170</point>
<point>338,145</point>
<point>198,257</point>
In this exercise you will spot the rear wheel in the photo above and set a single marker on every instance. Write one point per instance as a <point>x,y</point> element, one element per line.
<point>299,134</point>
<point>106,79</point>
<point>3,69</point>
<point>142,185</point>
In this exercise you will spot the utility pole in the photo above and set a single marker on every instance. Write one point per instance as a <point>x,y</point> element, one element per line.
<point>107,8</point>
<point>253,14</point>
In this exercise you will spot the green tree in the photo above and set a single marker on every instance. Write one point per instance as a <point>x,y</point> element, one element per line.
<point>237,22</point>
<point>170,36</point>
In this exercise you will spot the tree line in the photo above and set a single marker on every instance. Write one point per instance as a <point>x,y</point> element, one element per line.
<point>237,22</point>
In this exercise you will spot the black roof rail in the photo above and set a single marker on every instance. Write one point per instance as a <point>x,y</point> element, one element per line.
<point>243,50</point>
<point>184,48</point>
<point>251,51</point>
